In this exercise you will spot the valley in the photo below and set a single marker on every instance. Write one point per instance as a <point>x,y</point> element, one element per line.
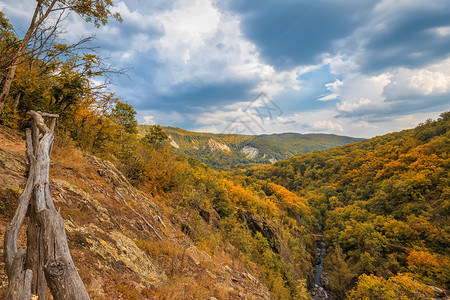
<point>324,224</point>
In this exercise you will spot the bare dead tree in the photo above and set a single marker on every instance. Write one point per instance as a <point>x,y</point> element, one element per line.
<point>46,262</point>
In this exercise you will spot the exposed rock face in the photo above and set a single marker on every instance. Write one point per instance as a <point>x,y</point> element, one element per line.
<point>173,143</point>
<point>250,152</point>
<point>216,146</point>
<point>257,224</point>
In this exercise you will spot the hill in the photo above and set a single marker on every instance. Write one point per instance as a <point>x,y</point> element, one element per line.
<point>232,150</point>
<point>383,206</point>
<point>186,232</point>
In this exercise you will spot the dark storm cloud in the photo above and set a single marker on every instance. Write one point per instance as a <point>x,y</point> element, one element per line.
<point>408,38</point>
<point>290,33</point>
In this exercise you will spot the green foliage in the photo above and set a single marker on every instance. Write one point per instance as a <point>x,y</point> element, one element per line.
<point>339,271</point>
<point>155,136</point>
<point>124,115</point>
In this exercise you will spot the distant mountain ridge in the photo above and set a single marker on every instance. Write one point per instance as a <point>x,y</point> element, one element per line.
<point>233,150</point>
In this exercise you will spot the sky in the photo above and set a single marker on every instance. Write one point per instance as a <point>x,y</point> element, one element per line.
<point>348,67</point>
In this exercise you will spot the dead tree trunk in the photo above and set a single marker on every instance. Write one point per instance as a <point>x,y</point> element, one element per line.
<point>46,262</point>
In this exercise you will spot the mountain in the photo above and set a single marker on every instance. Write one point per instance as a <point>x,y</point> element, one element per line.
<point>382,205</point>
<point>232,150</point>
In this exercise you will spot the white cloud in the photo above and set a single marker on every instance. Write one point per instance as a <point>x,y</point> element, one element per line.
<point>340,64</point>
<point>327,125</point>
<point>149,120</point>
<point>358,92</point>
<point>443,31</point>
<point>229,121</point>
<point>22,10</point>
<point>203,44</point>
<point>333,86</point>
<point>349,106</point>
<point>134,18</point>
<point>430,80</point>
<point>160,117</point>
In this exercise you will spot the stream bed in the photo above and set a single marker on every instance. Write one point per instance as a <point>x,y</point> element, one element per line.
<point>318,291</point>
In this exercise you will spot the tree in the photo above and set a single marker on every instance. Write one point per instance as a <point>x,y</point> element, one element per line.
<point>340,273</point>
<point>124,114</point>
<point>401,287</point>
<point>155,137</point>
<point>8,43</point>
<point>96,11</point>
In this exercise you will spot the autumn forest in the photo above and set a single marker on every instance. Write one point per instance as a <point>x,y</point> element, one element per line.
<point>380,207</point>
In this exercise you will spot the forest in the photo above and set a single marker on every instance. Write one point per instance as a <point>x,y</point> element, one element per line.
<point>382,205</point>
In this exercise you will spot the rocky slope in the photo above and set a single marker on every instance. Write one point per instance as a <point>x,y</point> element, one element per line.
<point>123,241</point>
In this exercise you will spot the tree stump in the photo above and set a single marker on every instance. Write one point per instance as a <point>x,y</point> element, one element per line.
<point>46,262</point>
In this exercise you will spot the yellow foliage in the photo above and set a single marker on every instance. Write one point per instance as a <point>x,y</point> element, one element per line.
<point>403,287</point>
<point>429,267</point>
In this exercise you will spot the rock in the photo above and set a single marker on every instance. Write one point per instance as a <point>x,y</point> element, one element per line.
<point>250,152</point>
<point>205,214</point>
<point>123,251</point>
<point>173,143</point>
<point>257,224</point>
<point>216,146</point>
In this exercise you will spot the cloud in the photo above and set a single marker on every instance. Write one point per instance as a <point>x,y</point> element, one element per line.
<point>359,94</point>
<point>149,120</point>
<point>192,96</point>
<point>327,125</point>
<point>431,80</point>
<point>399,34</point>
<point>162,118</point>
<point>355,67</point>
<point>400,92</point>
<point>196,59</point>
<point>291,33</point>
